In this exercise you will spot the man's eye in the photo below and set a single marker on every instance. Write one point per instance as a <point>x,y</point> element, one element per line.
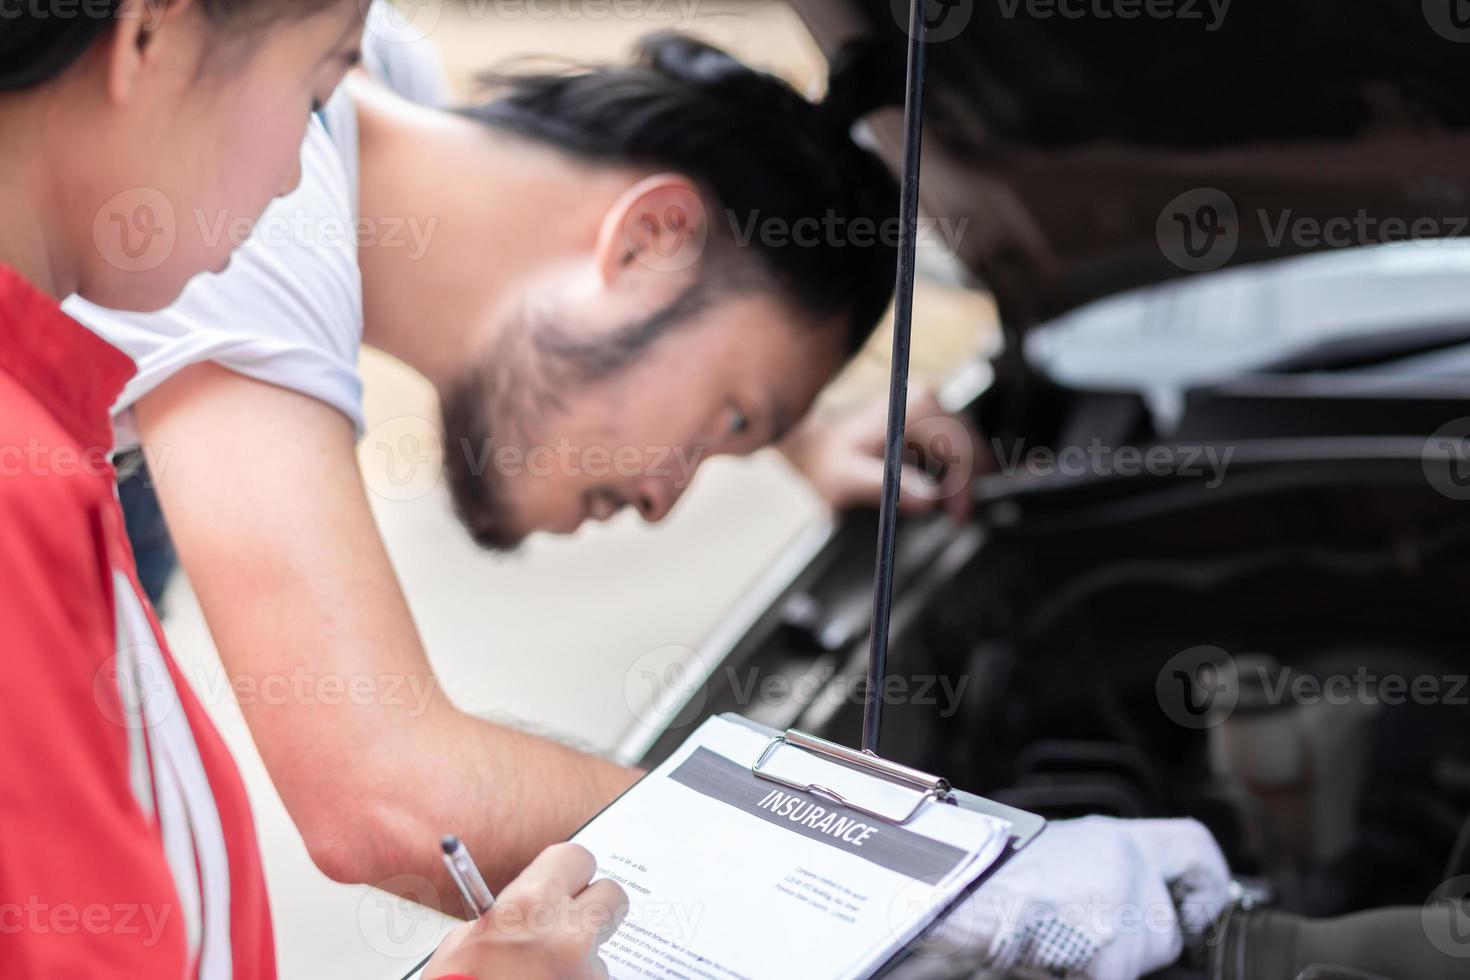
<point>739,422</point>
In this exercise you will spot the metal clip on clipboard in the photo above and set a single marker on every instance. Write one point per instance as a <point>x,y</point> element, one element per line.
<point>929,786</point>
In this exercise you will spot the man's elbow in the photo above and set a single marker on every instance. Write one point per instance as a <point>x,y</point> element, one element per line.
<point>359,843</point>
<point>338,856</point>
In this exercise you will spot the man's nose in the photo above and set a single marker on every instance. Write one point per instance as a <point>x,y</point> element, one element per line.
<point>656,496</point>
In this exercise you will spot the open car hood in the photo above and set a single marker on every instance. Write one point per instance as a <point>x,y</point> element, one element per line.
<point>1071,157</point>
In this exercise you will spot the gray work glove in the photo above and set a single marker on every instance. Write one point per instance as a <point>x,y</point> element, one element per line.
<point>1096,898</point>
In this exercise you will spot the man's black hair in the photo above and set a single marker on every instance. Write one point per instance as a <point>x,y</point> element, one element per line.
<point>773,165</point>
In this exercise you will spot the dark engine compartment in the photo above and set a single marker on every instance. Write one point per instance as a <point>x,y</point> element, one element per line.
<point>1318,593</point>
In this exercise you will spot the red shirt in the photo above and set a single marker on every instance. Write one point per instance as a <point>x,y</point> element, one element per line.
<point>126,842</point>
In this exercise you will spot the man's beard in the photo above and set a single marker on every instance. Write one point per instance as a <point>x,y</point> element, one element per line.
<point>476,486</point>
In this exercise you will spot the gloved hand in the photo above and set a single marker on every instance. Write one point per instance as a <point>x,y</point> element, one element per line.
<point>1095,898</point>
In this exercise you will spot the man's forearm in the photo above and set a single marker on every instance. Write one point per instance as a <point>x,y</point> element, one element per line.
<point>517,794</point>
<point>508,794</point>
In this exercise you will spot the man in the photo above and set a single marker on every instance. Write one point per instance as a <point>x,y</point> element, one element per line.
<point>585,284</point>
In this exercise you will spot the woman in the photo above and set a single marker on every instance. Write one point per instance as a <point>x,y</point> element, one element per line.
<point>126,844</point>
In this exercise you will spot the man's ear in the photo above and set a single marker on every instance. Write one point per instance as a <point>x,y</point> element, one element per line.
<point>136,24</point>
<point>659,223</point>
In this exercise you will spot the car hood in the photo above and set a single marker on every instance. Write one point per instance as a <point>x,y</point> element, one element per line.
<point>1079,148</point>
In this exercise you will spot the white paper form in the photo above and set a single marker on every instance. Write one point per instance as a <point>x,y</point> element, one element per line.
<point>732,877</point>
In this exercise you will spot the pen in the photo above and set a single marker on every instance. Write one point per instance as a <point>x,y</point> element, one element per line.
<point>477,895</point>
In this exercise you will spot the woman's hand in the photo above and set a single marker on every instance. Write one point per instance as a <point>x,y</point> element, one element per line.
<point>547,925</point>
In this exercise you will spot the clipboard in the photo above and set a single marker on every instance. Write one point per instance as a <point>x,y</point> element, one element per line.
<point>928,790</point>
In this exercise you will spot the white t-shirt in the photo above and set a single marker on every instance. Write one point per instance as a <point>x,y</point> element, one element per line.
<point>288,309</point>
